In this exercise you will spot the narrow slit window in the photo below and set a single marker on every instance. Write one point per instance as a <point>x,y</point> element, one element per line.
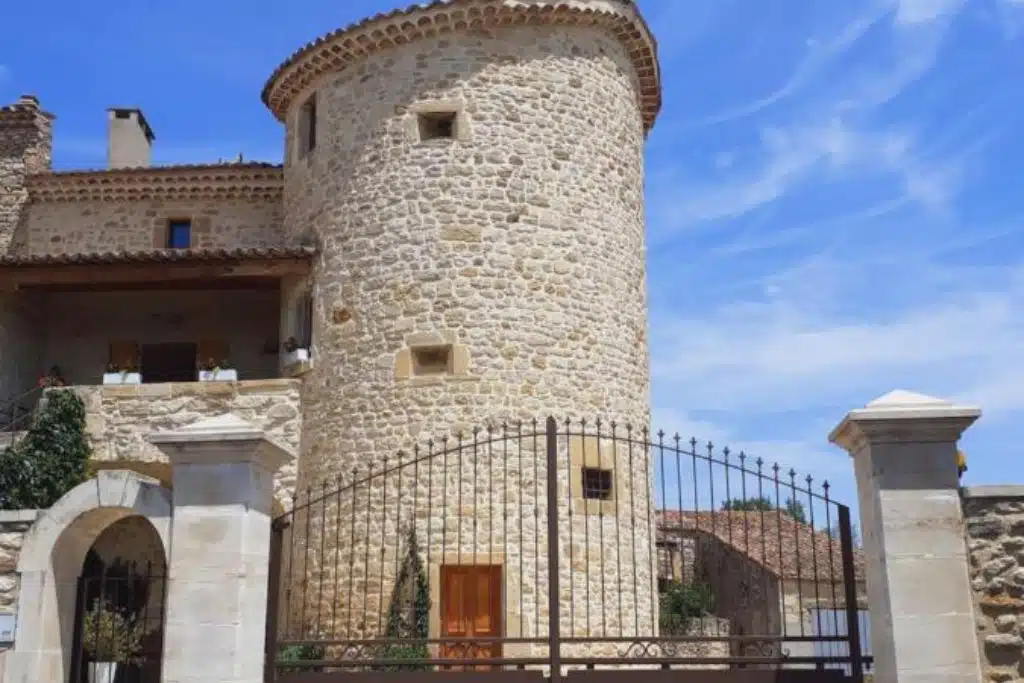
<point>179,234</point>
<point>307,126</point>
<point>437,125</point>
<point>432,360</point>
<point>597,483</point>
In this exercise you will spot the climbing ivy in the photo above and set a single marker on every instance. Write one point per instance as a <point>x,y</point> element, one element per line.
<point>51,459</point>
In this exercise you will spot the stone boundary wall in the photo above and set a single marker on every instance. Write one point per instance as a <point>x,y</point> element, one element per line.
<point>994,522</point>
<point>14,524</point>
<point>118,419</point>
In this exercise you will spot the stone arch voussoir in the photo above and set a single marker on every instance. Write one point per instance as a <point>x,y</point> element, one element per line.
<point>51,560</point>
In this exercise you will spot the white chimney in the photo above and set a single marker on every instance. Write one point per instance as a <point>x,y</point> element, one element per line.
<point>129,138</point>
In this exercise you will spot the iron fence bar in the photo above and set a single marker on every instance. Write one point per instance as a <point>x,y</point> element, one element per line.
<point>273,600</point>
<point>850,595</point>
<point>77,637</point>
<point>554,595</point>
<point>569,507</point>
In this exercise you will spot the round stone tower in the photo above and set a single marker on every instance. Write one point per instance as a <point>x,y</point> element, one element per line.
<point>471,172</point>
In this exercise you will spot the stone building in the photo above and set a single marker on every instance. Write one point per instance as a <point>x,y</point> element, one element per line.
<point>455,239</point>
<point>768,573</point>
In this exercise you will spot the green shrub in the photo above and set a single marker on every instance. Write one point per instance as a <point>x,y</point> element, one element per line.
<point>109,635</point>
<point>51,459</point>
<point>680,604</point>
<point>305,652</point>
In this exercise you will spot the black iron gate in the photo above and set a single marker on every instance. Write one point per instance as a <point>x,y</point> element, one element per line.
<point>118,636</point>
<point>566,549</point>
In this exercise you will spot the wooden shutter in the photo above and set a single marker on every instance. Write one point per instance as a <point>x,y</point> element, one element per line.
<point>212,349</point>
<point>124,354</point>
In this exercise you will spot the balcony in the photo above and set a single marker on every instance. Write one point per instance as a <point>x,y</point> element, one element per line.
<point>164,315</point>
<point>132,332</point>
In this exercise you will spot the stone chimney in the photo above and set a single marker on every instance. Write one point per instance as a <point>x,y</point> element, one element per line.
<point>129,138</point>
<point>26,145</point>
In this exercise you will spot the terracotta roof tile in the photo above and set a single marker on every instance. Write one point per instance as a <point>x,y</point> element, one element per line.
<point>339,48</point>
<point>255,180</point>
<point>773,539</point>
<point>158,256</point>
<point>161,168</point>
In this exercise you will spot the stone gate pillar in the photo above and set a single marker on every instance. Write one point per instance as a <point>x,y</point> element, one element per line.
<point>216,610</point>
<point>919,595</point>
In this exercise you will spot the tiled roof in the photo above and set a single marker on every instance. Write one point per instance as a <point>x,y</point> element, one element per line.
<point>162,168</point>
<point>773,539</point>
<point>344,46</point>
<point>254,180</point>
<point>159,256</point>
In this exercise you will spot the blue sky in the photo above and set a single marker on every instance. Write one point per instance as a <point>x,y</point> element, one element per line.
<point>834,191</point>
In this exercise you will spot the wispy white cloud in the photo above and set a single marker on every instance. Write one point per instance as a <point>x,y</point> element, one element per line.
<point>821,53</point>
<point>1011,17</point>
<point>795,156</point>
<point>773,356</point>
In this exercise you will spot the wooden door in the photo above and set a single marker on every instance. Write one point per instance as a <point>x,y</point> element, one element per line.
<point>471,607</point>
<point>174,362</point>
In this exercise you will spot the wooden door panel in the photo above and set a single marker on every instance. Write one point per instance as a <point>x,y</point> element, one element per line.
<point>471,607</point>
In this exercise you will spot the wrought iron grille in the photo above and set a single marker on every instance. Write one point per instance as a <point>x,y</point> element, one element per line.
<point>118,632</point>
<point>612,547</point>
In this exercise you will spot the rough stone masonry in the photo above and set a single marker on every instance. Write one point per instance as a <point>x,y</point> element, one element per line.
<point>995,534</point>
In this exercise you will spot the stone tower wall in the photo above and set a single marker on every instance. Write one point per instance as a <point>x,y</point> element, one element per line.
<point>518,245</point>
<point>522,244</point>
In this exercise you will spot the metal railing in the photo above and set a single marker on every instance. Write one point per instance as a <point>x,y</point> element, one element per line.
<point>560,546</point>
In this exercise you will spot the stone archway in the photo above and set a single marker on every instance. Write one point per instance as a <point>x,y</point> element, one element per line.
<point>53,555</point>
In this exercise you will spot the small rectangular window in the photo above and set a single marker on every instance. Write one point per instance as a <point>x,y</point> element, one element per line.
<point>432,360</point>
<point>179,234</point>
<point>597,483</point>
<point>307,127</point>
<point>437,125</point>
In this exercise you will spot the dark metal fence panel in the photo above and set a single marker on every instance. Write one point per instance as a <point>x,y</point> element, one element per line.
<point>564,545</point>
<point>119,621</point>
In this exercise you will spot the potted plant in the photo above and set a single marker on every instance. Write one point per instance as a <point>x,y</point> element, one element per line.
<point>122,374</point>
<point>217,371</point>
<point>112,639</point>
<point>293,353</point>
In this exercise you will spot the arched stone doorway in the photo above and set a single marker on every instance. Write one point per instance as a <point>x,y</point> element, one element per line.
<point>91,517</point>
<point>120,606</point>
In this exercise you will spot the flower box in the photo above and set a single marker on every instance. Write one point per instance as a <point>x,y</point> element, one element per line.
<point>122,378</point>
<point>295,357</point>
<point>219,375</point>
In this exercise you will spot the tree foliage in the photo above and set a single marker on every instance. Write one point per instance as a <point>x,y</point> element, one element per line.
<point>834,532</point>
<point>794,508</point>
<point>51,459</point>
